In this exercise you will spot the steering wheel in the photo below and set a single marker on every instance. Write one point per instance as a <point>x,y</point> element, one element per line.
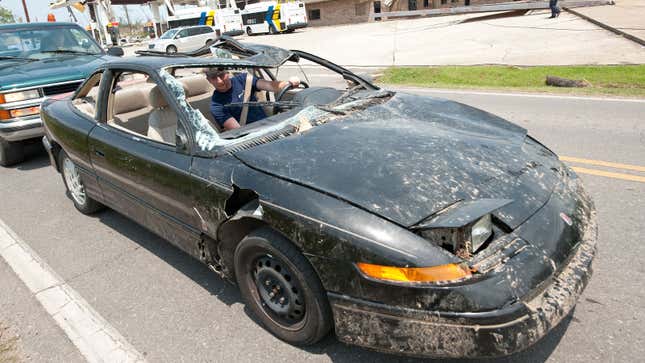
<point>288,87</point>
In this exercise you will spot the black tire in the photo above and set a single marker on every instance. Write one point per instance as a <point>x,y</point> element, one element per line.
<point>171,49</point>
<point>249,32</point>
<point>209,42</point>
<point>266,261</point>
<point>87,205</point>
<point>11,153</point>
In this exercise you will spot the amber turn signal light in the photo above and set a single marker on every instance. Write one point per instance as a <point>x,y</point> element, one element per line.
<point>449,272</point>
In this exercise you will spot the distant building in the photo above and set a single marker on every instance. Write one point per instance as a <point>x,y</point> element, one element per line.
<point>333,12</point>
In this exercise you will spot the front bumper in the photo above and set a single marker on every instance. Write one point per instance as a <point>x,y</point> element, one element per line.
<point>21,129</point>
<point>233,33</point>
<point>486,334</point>
<point>296,26</point>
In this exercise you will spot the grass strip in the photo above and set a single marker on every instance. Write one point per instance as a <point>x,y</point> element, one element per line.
<point>619,80</point>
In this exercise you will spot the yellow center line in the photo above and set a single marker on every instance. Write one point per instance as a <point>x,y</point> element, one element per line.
<point>608,174</point>
<point>603,163</point>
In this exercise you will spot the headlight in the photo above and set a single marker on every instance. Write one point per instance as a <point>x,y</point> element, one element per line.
<point>442,273</point>
<point>462,241</point>
<point>481,231</point>
<point>19,96</point>
<point>20,112</point>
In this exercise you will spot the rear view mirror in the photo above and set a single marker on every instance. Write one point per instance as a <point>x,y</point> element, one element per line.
<point>115,51</point>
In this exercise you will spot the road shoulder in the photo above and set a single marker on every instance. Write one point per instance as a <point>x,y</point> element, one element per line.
<point>39,339</point>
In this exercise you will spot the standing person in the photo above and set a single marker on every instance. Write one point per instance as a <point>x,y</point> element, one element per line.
<point>555,9</point>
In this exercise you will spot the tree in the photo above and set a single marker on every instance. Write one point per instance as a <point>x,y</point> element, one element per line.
<point>6,16</point>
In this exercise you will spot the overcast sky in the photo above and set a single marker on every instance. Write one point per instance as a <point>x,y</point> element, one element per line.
<point>38,10</point>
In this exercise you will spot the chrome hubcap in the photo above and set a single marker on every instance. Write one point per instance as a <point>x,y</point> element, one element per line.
<point>73,180</point>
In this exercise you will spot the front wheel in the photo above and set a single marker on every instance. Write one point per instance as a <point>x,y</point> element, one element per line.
<point>11,153</point>
<point>75,187</point>
<point>171,49</point>
<point>249,32</point>
<point>281,288</point>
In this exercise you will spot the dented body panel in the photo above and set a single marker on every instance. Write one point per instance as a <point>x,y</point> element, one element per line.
<point>358,180</point>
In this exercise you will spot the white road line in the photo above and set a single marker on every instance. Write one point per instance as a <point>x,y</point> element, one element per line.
<point>94,337</point>
<point>528,95</point>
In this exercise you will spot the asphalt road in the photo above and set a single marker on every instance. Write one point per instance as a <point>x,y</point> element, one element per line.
<point>173,309</point>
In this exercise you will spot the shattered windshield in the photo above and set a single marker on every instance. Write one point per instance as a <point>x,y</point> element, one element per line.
<point>230,105</point>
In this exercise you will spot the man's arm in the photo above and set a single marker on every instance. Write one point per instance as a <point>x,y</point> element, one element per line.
<point>231,124</point>
<point>219,113</point>
<point>276,86</point>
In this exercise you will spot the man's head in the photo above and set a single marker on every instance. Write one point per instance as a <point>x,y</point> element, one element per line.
<point>219,78</point>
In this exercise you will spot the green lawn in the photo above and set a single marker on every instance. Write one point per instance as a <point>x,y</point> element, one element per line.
<point>621,80</point>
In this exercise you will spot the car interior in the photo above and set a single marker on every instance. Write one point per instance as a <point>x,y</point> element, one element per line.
<point>136,104</point>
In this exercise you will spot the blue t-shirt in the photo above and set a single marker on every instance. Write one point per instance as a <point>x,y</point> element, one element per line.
<point>235,95</point>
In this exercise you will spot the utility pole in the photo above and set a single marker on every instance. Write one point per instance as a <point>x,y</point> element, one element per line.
<point>127,16</point>
<point>24,5</point>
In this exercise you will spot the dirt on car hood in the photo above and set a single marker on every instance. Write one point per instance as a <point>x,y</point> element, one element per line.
<point>413,156</point>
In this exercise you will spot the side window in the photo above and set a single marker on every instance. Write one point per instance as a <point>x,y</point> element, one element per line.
<point>138,106</point>
<point>182,34</point>
<point>87,97</point>
<point>207,29</point>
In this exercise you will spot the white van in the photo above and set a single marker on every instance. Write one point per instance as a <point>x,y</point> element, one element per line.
<point>273,17</point>
<point>184,39</point>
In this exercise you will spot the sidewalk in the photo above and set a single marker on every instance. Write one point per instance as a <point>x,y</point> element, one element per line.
<point>627,16</point>
<point>39,338</point>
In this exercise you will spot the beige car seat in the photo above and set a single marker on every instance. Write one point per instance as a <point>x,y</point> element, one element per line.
<point>198,94</point>
<point>162,123</point>
<point>131,109</point>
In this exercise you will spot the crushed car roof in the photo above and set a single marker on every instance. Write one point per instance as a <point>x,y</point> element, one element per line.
<point>257,55</point>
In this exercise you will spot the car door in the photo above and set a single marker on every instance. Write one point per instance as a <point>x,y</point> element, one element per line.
<point>144,178</point>
<point>182,40</point>
<point>70,124</point>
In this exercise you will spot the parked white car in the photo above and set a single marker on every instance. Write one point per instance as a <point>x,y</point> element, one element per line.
<point>184,39</point>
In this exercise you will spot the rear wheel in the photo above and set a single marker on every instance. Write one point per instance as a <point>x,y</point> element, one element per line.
<point>75,187</point>
<point>209,42</point>
<point>249,32</point>
<point>171,49</point>
<point>11,153</point>
<point>281,288</point>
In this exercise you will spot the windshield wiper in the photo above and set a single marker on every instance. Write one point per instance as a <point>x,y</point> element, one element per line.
<point>16,58</point>
<point>68,51</point>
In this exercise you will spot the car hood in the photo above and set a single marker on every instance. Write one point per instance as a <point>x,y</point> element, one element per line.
<point>412,157</point>
<point>58,68</point>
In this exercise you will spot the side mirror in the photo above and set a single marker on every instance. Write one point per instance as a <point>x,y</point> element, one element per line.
<point>85,43</point>
<point>115,51</point>
<point>181,140</point>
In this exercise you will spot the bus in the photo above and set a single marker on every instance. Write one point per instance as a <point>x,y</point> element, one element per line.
<point>226,21</point>
<point>274,17</point>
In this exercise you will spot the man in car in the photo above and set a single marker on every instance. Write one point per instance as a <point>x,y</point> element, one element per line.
<point>231,89</point>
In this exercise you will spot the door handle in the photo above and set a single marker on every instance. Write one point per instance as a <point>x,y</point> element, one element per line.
<point>99,153</point>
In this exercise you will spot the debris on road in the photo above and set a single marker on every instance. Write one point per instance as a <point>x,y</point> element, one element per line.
<point>8,345</point>
<point>565,82</point>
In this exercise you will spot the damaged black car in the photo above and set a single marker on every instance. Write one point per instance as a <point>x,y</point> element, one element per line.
<point>406,224</point>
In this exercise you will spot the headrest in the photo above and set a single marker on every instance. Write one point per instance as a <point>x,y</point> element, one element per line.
<point>157,99</point>
<point>129,99</point>
<point>196,85</point>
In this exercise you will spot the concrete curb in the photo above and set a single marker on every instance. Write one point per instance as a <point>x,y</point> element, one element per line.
<point>608,27</point>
